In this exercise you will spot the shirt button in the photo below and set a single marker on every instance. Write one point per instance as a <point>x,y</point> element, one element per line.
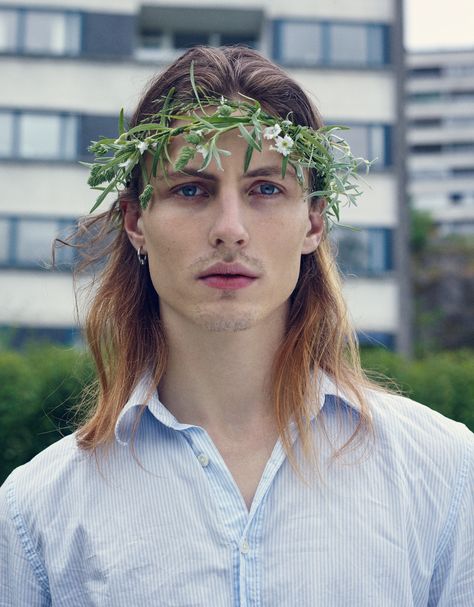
<point>244,547</point>
<point>203,459</point>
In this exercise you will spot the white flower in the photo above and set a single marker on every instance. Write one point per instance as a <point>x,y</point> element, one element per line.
<point>202,149</point>
<point>283,145</point>
<point>222,100</point>
<point>128,164</point>
<point>142,147</point>
<point>272,131</point>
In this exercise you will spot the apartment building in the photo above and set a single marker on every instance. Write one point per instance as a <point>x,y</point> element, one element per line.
<point>440,132</point>
<point>68,67</point>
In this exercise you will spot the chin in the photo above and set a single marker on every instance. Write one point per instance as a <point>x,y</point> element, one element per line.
<point>226,322</point>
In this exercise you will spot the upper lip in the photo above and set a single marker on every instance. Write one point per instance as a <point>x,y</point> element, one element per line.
<point>228,268</point>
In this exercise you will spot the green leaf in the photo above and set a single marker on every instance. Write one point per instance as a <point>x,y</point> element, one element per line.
<point>248,157</point>
<point>121,126</point>
<point>166,105</point>
<point>193,84</point>
<point>284,164</point>
<point>248,137</point>
<point>104,194</point>
<point>151,126</point>
<point>156,156</point>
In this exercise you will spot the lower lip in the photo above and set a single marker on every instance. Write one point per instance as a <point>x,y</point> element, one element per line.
<point>221,281</point>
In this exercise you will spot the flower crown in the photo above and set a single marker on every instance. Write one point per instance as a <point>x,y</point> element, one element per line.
<point>201,123</point>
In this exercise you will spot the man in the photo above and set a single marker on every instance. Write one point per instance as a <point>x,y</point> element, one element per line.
<point>235,454</point>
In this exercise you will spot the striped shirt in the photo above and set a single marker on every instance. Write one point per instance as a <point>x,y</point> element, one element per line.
<point>163,523</point>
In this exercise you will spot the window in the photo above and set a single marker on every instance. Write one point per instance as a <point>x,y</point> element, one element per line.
<point>425,97</point>
<point>348,44</point>
<point>424,72</point>
<point>6,129</point>
<point>26,242</point>
<point>371,141</point>
<point>40,32</point>
<point>376,339</point>
<point>364,251</point>
<point>422,123</point>
<point>8,31</point>
<point>45,136</point>
<point>51,136</point>
<point>301,43</point>
<point>4,241</point>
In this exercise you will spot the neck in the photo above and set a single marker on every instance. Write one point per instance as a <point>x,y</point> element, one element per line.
<point>221,380</point>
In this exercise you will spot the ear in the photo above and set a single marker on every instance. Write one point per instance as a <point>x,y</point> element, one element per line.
<point>315,231</point>
<point>132,223</point>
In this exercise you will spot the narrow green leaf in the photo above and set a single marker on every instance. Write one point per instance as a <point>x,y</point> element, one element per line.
<point>193,84</point>
<point>166,105</point>
<point>151,126</point>
<point>101,198</point>
<point>156,156</point>
<point>121,126</point>
<point>284,164</point>
<point>248,157</point>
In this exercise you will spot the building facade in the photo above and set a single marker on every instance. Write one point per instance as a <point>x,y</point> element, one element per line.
<point>440,132</point>
<point>71,65</point>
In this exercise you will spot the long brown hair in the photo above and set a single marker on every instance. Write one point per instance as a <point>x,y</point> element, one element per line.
<point>123,326</point>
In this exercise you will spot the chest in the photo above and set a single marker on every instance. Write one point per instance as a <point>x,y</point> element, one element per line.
<point>171,539</point>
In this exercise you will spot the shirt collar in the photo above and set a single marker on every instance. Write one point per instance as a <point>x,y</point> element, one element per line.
<point>145,396</point>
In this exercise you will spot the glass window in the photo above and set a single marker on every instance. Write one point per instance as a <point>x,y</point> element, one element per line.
<point>377,145</point>
<point>188,39</point>
<point>8,30</point>
<point>6,131</point>
<point>377,42</point>
<point>244,39</point>
<point>40,136</point>
<point>352,251</point>
<point>69,137</point>
<point>64,255</point>
<point>363,251</point>
<point>34,241</point>
<point>48,137</point>
<point>358,138</point>
<point>301,43</point>
<point>4,240</point>
<point>348,44</point>
<point>51,33</point>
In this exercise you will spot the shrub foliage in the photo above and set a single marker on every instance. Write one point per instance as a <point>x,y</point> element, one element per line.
<point>41,388</point>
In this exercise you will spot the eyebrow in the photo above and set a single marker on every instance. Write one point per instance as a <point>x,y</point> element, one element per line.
<point>266,171</point>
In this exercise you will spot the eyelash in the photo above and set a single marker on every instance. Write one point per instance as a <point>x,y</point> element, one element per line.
<point>179,190</point>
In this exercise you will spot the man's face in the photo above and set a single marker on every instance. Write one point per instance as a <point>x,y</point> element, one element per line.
<point>255,226</point>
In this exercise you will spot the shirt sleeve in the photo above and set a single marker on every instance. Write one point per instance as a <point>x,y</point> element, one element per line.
<point>22,579</point>
<point>452,583</point>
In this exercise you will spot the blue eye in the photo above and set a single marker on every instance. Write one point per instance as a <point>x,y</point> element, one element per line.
<point>268,189</point>
<point>189,190</point>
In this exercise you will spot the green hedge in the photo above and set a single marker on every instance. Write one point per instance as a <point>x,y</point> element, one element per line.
<point>38,391</point>
<point>39,388</point>
<point>444,381</point>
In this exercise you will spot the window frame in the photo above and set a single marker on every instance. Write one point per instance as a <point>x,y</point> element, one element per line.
<point>325,42</point>
<point>12,260</point>
<point>371,271</point>
<point>20,46</point>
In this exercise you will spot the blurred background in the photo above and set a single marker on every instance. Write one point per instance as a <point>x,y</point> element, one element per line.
<point>400,75</point>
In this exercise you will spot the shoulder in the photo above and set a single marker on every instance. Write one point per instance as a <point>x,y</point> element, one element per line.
<point>405,421</point>
<point>40,483</point>
<point>432,456</point>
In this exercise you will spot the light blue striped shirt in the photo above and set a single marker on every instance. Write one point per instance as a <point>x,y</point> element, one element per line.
<point>390,527</point>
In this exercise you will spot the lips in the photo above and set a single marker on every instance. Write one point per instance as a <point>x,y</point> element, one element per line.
<point>228,276</point>
<point>228,269</point>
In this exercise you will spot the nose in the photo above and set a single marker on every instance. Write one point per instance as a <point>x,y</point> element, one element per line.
<point>228,226</point>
